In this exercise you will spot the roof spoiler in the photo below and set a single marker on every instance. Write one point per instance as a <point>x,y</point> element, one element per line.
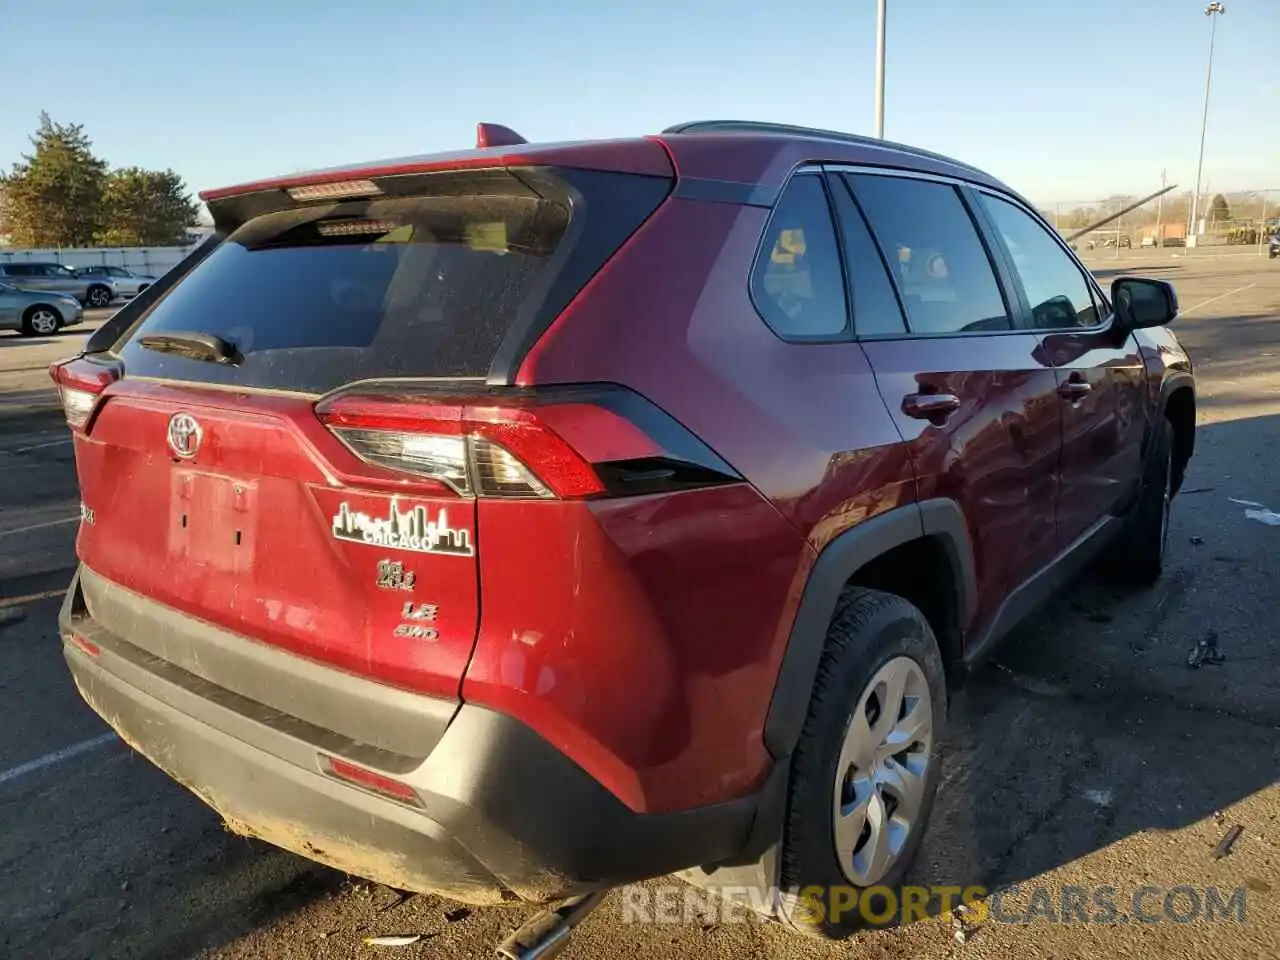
<point>496,135</point>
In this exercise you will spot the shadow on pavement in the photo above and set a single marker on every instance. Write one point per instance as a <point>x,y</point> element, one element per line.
<point>1089,727</point>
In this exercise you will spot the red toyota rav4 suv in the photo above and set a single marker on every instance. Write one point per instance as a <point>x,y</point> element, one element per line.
<point>519,522</point>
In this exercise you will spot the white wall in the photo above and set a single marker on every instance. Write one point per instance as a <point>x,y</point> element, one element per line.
<point>151,261</point>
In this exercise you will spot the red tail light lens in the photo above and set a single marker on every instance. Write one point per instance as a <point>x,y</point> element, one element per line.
<point>80,383</point>
<point>558,442</point>
<point>486,451</point>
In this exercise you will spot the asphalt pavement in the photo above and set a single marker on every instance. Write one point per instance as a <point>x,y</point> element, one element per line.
<point>1087,754</point>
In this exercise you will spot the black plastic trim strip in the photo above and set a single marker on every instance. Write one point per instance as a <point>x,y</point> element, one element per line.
<point>835,566</point>
<point>725,191</point>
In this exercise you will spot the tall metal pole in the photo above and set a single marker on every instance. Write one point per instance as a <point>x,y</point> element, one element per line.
<point>1211,11</point>
<point>1160,212</point>
<point>1262,226</point>
<point>880,29</point>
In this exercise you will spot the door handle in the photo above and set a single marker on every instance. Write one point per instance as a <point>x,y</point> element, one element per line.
<point>934,407</point>
<point>1074,390</point>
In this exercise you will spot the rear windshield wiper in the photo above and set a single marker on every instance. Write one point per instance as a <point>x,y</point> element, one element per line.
<point>193,346</point>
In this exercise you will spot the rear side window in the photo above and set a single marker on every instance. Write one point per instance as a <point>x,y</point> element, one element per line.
<point>317,296</point>
<point>797,283</point>
<point>18,270</point>
<point>934,251</point>
<point>1056,289</point>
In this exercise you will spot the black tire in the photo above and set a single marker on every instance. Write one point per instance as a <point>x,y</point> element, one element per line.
<point>36,316</point>
<point>870,630</point>
<point>98,297</point>
<point>1139,561</point>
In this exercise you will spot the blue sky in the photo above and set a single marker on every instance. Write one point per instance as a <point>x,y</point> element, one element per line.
<point>1065,100</point>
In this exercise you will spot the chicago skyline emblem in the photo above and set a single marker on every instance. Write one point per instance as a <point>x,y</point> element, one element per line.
<point>410,530</point>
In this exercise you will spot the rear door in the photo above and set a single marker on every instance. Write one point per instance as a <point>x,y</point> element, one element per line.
<point>971,393</point>
<point>1098,366</point>
<point>217,488</point>
<point>55,279</point>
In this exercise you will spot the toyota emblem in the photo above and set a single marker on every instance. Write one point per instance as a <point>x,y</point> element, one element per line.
<point>185,435</point>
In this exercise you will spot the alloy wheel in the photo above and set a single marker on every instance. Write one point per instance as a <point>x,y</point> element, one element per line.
<point>44,321</point>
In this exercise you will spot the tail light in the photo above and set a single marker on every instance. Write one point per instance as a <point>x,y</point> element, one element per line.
<point>567,444</point>
<point>80,383</point>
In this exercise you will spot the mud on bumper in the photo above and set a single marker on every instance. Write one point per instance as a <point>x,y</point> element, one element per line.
<point>504,815</point>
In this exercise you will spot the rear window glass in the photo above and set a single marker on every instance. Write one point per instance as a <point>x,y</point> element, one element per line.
<point>316,297</point>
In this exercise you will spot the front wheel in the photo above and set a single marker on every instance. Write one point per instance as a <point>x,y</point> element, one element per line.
<point>41,321</point>
<point>1145,541</point>
<point>865,771</point>
<point>99,297</point>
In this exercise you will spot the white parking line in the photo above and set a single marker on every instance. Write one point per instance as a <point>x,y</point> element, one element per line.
<point>49,759</point>
<point>1221,296</point>
<point>40,446</point>
<point>39,526</point>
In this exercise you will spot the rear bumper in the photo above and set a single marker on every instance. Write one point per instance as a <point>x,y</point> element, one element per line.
<point>504,815</point>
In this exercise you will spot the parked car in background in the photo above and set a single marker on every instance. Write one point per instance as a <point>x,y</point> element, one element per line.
<point>37,312</point>
<point>514,523</point>
<point>124,283</point>
<point>57,278</point>
<point>1273,246</point>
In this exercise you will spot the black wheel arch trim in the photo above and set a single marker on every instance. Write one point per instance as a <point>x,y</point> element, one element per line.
<point>835,566</point>
<point>1173,381</point>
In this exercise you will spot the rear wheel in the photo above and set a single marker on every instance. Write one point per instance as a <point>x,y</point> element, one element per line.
<point>865,771</point>
<point>99,296</point>
<point>41,321</point>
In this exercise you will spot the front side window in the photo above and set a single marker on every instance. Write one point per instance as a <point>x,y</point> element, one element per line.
<point>798,283</point>
<point>935,254</point>
<point>1056,290</point>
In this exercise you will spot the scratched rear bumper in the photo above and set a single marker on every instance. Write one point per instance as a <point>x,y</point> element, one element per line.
<point>504,815</point>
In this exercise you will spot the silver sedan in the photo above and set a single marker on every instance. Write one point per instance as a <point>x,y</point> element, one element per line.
<point>37,312</point>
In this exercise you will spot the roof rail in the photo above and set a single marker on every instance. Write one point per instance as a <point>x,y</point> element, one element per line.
<point>787,129</point>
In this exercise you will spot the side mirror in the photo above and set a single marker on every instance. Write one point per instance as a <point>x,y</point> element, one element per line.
<point>1140,302</point>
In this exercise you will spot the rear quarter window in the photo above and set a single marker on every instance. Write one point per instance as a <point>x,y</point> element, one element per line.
<point>797,283</point>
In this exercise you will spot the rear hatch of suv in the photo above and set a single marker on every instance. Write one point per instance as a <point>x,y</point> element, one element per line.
<point>237,463</point>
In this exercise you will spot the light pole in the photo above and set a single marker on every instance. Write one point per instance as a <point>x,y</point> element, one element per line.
<point>1211,11</point>
<point>880,20</point>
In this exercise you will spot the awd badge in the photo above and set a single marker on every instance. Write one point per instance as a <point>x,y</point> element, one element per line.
<point>393,576</point>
